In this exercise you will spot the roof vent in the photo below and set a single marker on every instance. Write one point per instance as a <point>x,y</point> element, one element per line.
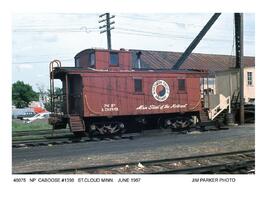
<point>139,53</point>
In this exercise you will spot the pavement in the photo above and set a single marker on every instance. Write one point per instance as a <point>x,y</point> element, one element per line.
<point>147,146</point>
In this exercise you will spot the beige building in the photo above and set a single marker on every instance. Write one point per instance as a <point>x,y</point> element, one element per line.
<point>249,84</point>
<point>227,82</point>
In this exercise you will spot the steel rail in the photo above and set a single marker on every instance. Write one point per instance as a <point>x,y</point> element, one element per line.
<point>210,168</point>
<point>144,163</point>
<point>64,138</point>
<point>45,141</point>
<point>36,132</point>
<point>18,136</point>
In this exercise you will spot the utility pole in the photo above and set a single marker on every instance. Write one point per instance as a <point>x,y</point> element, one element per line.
<point>238,18</point>
<point>108,27</point>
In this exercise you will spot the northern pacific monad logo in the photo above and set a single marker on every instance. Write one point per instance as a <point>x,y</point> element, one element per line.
<point>160,90</point>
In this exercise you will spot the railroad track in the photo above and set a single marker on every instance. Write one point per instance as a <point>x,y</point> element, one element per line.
<point>38,132</point>
<point>51,141</point>
<point>57,139</point>
<point>221,163</point>
<point>39,138</point>
<point>24,139</point>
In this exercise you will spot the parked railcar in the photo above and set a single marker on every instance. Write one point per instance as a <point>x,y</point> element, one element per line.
<point>114,98</point>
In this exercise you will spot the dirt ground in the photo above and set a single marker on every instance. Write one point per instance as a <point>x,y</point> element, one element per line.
<point>144,147</point>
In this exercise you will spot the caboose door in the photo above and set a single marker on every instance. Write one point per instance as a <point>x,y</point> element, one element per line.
<point>75,94</point>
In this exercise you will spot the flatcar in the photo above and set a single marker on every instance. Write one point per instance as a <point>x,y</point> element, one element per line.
<point>104,95</point>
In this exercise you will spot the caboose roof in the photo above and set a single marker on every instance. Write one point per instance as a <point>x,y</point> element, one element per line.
<point>164,60</point>
<point>142,70</point>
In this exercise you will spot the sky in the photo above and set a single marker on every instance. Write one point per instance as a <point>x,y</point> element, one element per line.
<point>38,38</point>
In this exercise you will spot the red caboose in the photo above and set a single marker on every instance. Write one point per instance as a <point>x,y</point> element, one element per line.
<point>104,95</point>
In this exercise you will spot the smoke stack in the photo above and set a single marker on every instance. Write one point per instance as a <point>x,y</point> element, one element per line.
<point>139,53</point>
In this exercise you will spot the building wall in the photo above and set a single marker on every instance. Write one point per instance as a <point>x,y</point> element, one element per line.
<point>228,83</point>
<point>249,89</point>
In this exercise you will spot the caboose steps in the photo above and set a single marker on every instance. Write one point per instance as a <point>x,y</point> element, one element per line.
<point>76,124</point>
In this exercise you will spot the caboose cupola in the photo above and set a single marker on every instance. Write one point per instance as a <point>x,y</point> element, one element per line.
<point>112,60</point>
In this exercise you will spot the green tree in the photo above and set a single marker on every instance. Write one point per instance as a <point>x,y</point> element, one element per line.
<point>58,99</point>
<point>22,94</point>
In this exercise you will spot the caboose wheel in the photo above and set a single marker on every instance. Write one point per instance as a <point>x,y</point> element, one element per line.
<point>180,123</point>
<point>106,129</point>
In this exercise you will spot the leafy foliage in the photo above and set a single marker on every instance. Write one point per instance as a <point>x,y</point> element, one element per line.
<point>58,100</point>
<point>23,94</point>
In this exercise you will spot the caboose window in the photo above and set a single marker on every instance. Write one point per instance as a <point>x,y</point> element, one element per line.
<point>114,58</point>
<point>91,60</point>
<point>181,84</point>
<point>138,85</point>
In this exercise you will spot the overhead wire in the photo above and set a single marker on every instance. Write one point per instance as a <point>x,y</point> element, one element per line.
<point>171,22</point>
<point>120,30</point>
<point>57,30</point>
<point>159,35</point>
<point>35,62</point>
<point>155,20</point>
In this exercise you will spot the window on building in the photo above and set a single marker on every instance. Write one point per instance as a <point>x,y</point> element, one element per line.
<point>249,78</point>
<point>91,60</point>
<point>138,85</point>
<point>114,58</point>
<point>181,84</point>
<point>77,62</point>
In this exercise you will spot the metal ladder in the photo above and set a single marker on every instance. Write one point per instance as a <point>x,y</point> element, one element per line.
<point>51,72</point>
